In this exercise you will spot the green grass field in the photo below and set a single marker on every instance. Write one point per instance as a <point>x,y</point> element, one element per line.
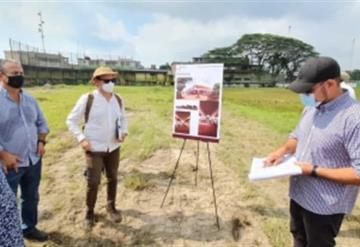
<point>151,112</point>
<point>278,109</point>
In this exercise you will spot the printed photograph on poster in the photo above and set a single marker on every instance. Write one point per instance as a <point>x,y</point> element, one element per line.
<point>208,118</point>
<point>197,102</point>
<point>200,91</point>
<point>181,83</point>
<point>182,122</point>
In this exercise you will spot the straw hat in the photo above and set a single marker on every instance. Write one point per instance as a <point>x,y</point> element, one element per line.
<point>344,76</point>
<point>103,70</point>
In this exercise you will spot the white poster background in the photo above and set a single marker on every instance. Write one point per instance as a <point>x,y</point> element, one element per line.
<point>198,89</point>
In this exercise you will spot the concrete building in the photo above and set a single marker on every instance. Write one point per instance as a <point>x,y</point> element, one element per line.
<point>124,63</point>
<point>40,59</point>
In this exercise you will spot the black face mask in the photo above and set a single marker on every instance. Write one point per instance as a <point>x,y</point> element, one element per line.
<point>16,81</point>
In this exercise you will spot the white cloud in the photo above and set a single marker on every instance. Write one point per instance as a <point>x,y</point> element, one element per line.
<point>109,31</point>
<point>334,36</point>
<point>26,19</point>
<point>168,39</point>
<point>163,37</point>
<point>23,25</point>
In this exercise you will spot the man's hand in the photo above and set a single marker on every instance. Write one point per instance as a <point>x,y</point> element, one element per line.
<point>122,138</point>
<point>273,159</point>
<point>41,149</point>
<point>85,145</point>
<point>276,157</point>
<point>10,161</point>
<point>306,167</point>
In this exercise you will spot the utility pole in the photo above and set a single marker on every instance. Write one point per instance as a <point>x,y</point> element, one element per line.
<point>41,30</point>
<point>353,53</point>
<point>289,30</point>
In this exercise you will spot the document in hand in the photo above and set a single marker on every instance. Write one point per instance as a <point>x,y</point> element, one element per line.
<point>259,171</point>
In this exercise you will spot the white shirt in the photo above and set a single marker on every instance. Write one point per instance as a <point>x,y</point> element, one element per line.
<point>100,130</point>
<point>349,88</point>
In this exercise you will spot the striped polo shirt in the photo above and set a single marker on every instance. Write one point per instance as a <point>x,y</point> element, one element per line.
<point>328,136</point>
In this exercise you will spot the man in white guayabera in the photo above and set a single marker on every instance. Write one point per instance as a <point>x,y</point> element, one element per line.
<point>105,128</point>
<point>326,145</point>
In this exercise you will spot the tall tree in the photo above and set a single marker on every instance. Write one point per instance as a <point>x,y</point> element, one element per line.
<point>355,75</point>
<point>271,53</point>
<point>275,54</point>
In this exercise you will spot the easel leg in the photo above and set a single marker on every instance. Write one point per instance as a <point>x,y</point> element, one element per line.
<point>197,163</point>
<point>173,174</point>
<point>213,189</point>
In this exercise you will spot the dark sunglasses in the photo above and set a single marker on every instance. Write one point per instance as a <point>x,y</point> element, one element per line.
<point>107,81</point>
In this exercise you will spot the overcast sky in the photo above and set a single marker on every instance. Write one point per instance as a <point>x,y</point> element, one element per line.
<point>156,32</point>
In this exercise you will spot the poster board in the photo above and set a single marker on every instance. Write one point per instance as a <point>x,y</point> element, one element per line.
<point>197,101</point>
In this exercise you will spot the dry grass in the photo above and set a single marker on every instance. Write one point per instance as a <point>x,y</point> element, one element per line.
<point>135,181</point>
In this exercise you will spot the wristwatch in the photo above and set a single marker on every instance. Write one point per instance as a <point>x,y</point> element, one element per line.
<point>313,171</point>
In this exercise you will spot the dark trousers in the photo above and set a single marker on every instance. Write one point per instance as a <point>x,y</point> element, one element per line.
<point>96,162</point>
<point>29,180</point>
<point>313,230</point>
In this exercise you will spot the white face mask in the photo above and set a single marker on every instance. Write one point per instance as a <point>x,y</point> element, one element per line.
<point>108,87</point>
<point>309,100</point>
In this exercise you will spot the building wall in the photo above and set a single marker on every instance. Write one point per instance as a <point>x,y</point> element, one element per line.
<point>41,75</point>
<point>119,63</point>
<point>38,59</point>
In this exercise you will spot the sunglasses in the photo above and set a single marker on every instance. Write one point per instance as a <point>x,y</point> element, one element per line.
<point>108,80</point>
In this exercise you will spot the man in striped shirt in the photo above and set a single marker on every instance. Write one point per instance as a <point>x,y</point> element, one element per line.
<point>326,145</point>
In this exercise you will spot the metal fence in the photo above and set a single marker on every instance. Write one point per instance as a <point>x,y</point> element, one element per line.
<point>72,68</point>
<point>33,56</point>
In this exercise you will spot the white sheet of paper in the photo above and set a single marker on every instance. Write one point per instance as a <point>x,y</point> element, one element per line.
<point>286,168</point>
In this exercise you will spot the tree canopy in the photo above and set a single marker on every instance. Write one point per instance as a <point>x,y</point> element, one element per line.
<point>355,75</point>
<point>271,53</point>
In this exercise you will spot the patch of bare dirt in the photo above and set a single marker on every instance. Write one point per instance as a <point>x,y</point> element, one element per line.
<point>187,218</point>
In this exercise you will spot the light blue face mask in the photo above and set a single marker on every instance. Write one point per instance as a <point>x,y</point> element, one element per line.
<point>309,100</point>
